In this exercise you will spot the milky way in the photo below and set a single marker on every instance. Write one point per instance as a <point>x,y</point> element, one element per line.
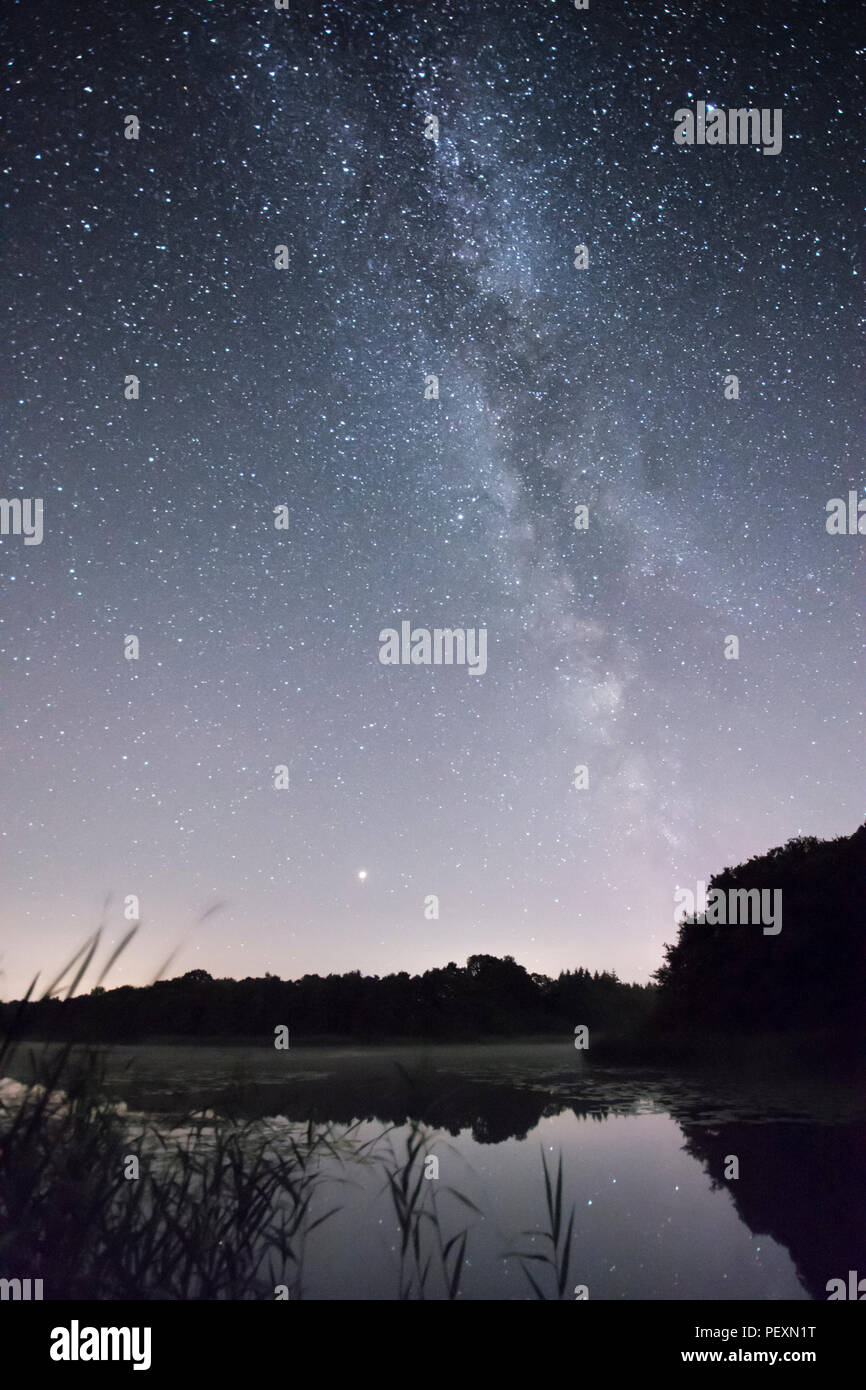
<point>410,257</point>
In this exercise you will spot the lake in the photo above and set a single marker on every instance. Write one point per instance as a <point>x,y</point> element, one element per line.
<point>648,1162</point>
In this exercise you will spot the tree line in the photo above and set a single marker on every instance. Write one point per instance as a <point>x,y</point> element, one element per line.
<point>488,996</point>
<point>715,978</point>
<point>811,975</point>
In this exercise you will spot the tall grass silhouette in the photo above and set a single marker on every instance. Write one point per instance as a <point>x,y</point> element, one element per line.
<point>223,1213</point>
<point>427,1259</point>
<point>557,1257</point>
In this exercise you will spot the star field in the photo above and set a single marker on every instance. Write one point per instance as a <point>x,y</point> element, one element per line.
<point>305,387</point>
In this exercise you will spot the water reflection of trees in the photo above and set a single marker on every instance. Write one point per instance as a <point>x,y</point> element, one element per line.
<point>802,1184</point>
<point>799,1182</point>
<point>393,1095</point>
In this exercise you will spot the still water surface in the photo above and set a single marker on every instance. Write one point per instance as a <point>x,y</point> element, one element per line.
<point>644,1153</point>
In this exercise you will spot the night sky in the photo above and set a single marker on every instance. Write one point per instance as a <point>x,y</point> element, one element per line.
<point>305,388</point>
